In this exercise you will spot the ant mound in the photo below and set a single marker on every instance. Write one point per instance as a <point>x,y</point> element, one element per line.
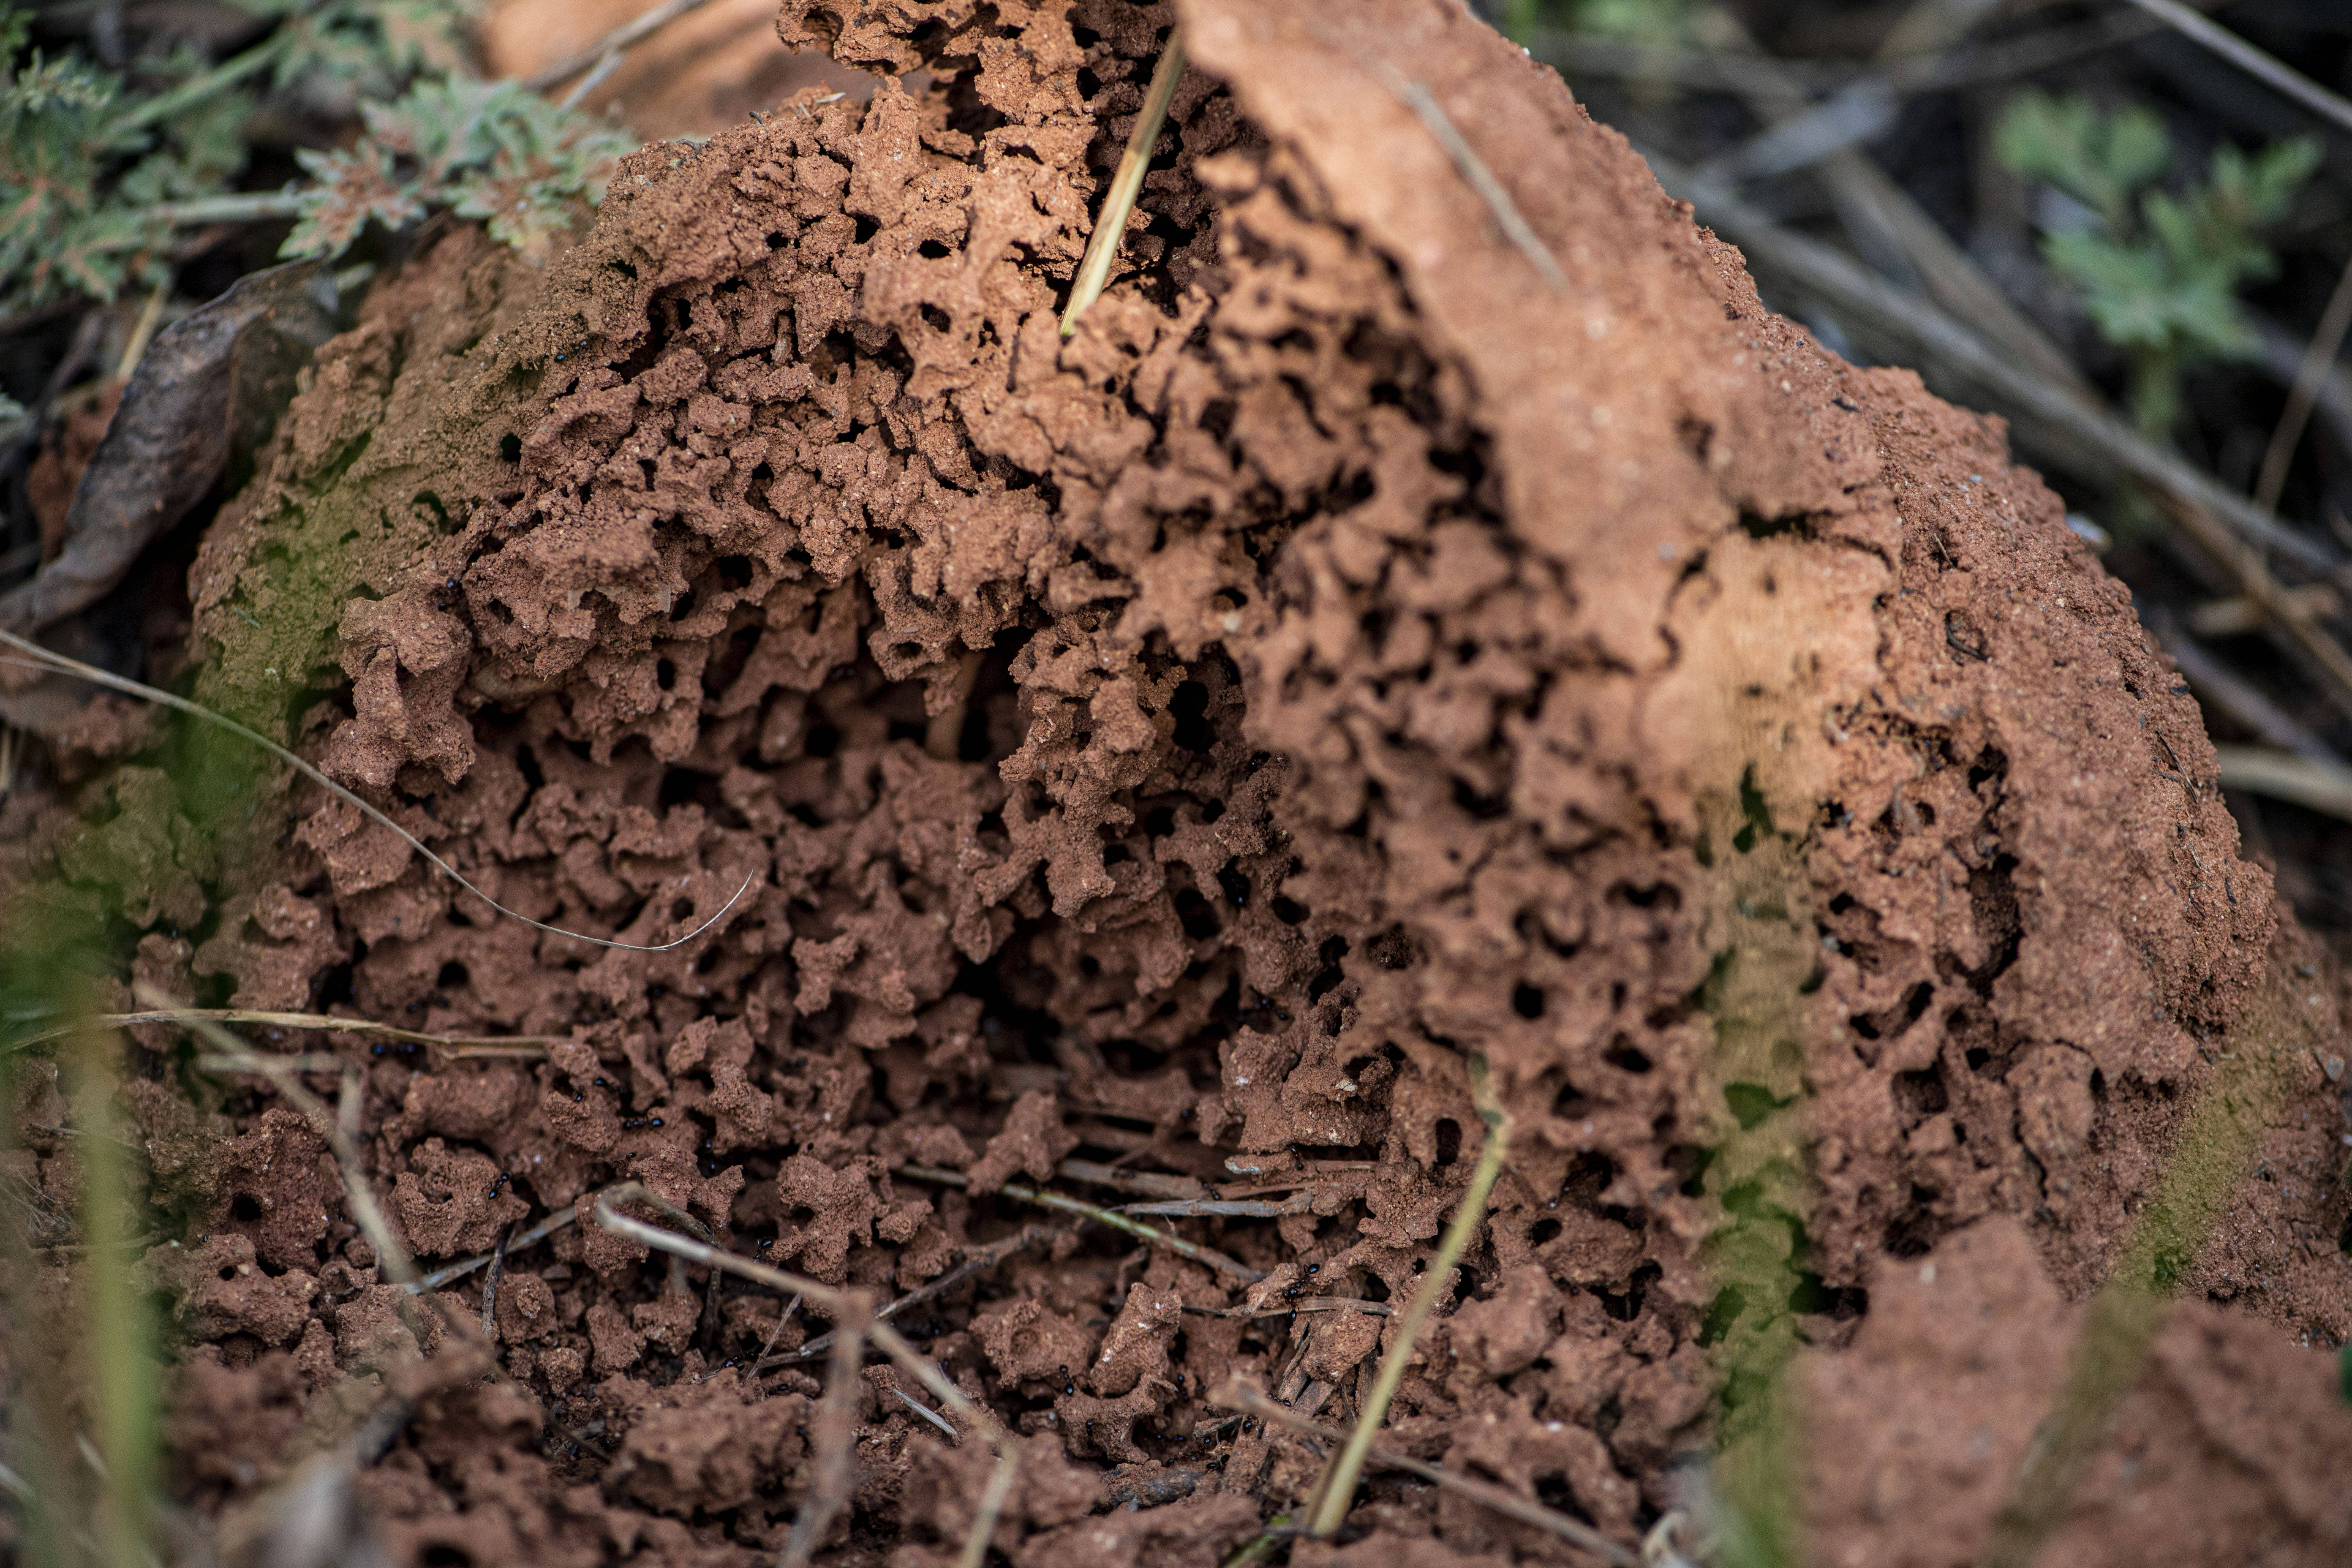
<point>1404,626</point>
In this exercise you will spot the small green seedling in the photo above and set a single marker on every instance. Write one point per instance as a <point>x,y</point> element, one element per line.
<point>2157,272</point>
<point>489,150</point>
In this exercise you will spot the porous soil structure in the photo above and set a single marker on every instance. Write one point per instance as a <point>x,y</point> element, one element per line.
<point>1154,764</point>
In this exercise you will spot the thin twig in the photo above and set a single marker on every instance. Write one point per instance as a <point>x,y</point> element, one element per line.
<point>1838,280</point>
<point>58,663</point>
<point>536,1234</point>
<point>1472,170</point>
<point>1127,184</point>
<point>841,1305</point>
<point>1241,1396</point>
<point>979,1262</point>
<point>926,1412</point>
<point>142,332</point>
<point>490,1287</point>
<point>1224,1208</point>
<point>391,1256</point>
<point>1336,1493</point>
<point>2309,377</point>
<point>324,1023</point>
<point>2252,62</point>
<point>792,1309</point>
<point>1150,1183</point>
<point>836,1432</point>
<point>1111,1218</point>
<point>1303,1304</point>
<point>2223,689</point>
<point>594,80</point>
<point>619,40</point>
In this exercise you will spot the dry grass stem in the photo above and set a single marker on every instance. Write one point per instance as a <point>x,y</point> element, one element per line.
<point>926,1412</point>
<point>845,1306</point>
<point>1472,170</point>
<point>979,1262</point>
<point>1251,1400</point>
<point>836,1432</point>
<point>2263,67</point>
<point>58,664</point>
<point>1110,226</point>
<point>391,1258</point>
<point>2310,375</point>
<point>1336,1492</point>
<point>1303,1304</point>
<point>2309,783</point>
<point>620,40</point>
<point>1224,1208</point>
<point>1111,1218</point>
<point>1145,1183</point>
<point>538,1233</point>
<point>324,1023</point>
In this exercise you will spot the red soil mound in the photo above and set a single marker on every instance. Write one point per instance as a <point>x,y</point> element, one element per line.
<point>1188,743</point>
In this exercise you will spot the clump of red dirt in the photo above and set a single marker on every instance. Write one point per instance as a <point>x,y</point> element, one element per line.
<point>1183,746</point>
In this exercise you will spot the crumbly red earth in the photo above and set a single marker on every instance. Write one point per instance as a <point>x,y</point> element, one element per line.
<point>1186,744</point>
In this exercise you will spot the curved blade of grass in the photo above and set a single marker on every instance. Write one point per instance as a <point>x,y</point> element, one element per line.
<point>1111,1218</point>
<point>323,1023</point>
<point>58,664</point>
<point>1336,1490</point>
<point>1110,228</point>
<point>1255,1402</point>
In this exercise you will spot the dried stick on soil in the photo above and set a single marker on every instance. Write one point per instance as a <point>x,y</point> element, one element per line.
<point>2309,376</point>
<point>1304,1304</point>
<point>836,1432</point>
<point>1241,1396</point>
<point>42,658</point>
<point>538,1233</point>
<point>1111,1218</point>
<point>1336,1492</point>
<point>927,1413</point>
<point>1110,226</point>
<point>490,1288</point>
<point>1150,1183</point>
<point>390,1255</point>
<point>841,1305</point>
<point>1224,1208</point>
<point>977,1263</point>
<point>621,39</point>
<point>792,1309</point>
<point>1472,169</point>
<point>324,1023</point>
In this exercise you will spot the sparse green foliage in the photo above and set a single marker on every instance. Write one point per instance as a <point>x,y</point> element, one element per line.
<point>75,169</point>
<point>100,170</point>
<point>494,151</point>
<point>2157,272</point>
